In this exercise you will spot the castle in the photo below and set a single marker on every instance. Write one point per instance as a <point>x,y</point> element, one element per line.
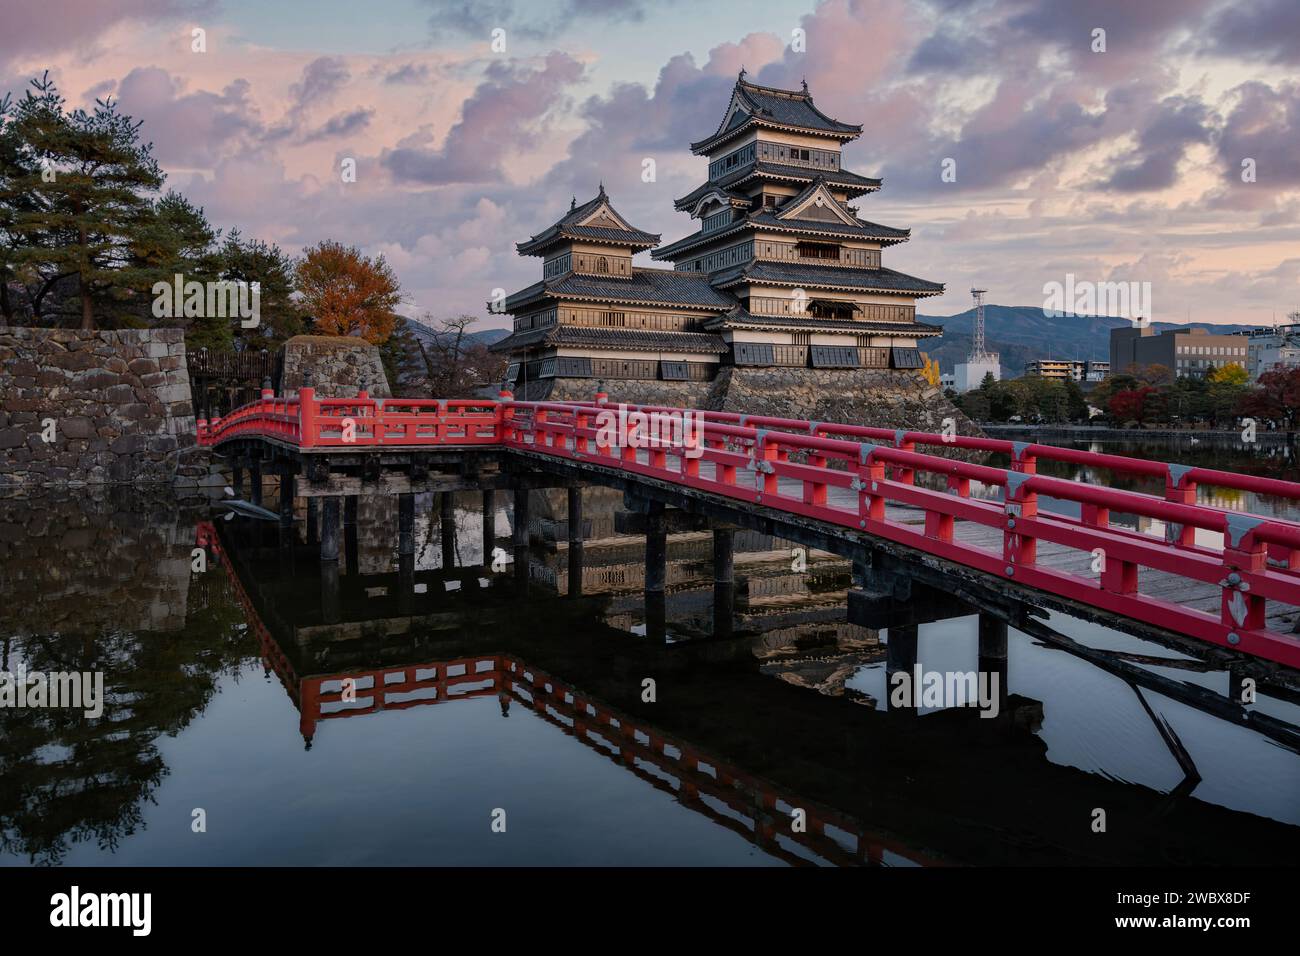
<point>779,302</point>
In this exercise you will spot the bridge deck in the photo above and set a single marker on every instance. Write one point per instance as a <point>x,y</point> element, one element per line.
<point>1224,578</point>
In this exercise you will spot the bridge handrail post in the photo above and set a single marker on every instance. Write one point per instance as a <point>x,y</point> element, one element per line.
<point>307,410</point>
<point>505,416</point>
<point>1181,490</point>
<point>871,504</point>
<point>1242,552</point>
<point>1020,501</point>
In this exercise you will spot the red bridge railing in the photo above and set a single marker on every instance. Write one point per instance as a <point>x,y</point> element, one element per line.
<point>311,422</point>
<point>846,475</point>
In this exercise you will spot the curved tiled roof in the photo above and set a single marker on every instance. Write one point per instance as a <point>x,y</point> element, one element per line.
<point>568,227</point>
<point>798,274</point>
<point>651,286</point>
<point>850,182</point>
<point>766,218</point>
<point>613,338</point>
<point>775,107</point>
<point>740,318</point>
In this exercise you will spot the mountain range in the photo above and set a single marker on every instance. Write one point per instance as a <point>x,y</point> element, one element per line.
<point>1022,333</point>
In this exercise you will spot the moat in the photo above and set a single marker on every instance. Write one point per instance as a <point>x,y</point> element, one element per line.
<point>304,714</point>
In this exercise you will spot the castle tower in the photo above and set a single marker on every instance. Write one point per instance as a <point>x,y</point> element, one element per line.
<point>779,300</point>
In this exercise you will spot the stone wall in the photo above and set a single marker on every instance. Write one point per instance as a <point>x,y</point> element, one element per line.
<point>633,392</point>
<point>339,366</point>
<point>878,398</point>
<point>119,402</point>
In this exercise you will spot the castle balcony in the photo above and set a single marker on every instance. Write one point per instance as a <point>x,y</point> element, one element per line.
<point>817,254</point>
<point>810,309</point>
<point>590,263</point>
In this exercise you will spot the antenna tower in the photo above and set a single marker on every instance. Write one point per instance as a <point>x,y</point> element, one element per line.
<point>978,353</point>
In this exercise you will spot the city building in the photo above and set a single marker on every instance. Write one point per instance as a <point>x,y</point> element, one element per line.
<point>781,273</point>
<point>1076,370</point>
<point>1190,352</point>
<point>1268,349</point>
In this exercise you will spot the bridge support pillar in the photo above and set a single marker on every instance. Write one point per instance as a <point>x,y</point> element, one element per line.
<point>574,521</point>
<point>405,551</point>
<point>255,483</point>
<point>900,658</point>
<point>313,520</point>
<point>406,523</point>
<point>993,654</point>
<point>519,521</point>
<point>350,534</point>
<point>656,572</point>
<point>724,582</point>
<point>329,591</point>
<point>656,549</point>
<point>237,481</point>
<point>447,529</point>
<point>329,531</point>
<point>489,525</point>
<point>286,500</point>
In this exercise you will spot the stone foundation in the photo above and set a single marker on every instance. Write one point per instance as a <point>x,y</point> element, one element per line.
<point>877,398</point>
<point>339,366</point>
<point>116,405</point>
<point>851,396</point>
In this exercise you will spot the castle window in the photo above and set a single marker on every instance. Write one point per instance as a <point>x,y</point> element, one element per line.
<point>602,264</point>
<point>818,250</point>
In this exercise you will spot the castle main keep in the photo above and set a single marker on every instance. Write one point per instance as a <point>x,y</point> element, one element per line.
<point>778,302</point>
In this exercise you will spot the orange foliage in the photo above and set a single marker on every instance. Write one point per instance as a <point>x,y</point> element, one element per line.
<point>347,293</point>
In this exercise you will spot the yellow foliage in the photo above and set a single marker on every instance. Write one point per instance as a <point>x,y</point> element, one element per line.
<point>930,371</point>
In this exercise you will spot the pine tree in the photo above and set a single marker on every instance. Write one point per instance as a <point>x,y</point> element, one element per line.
<point>75,199</point>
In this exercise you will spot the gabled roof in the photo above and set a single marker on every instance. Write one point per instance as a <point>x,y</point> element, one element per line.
<point>645,286</point>
<point>799,208</point>
<point>602,338</point>
<point>848,182</point>
<point>752,104</point>
<point>596,220</point>
<point>770,222</point>
<point>740,319</point>
<point>826,277</point>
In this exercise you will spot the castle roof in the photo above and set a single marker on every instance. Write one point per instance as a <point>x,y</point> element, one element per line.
<point>738,318</point>
<point>770,221</point>
<point>794,110</point>
<point>596,220</point>
<point>642,287</point>
<point>846,181</point>
<point>761,272</point>
<point>604,338</point>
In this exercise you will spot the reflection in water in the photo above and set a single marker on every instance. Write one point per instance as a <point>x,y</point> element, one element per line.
<point>290,690</point>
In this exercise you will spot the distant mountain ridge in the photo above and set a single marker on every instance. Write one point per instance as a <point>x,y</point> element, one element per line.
<point>476,337</point>
<point>1022,333</point>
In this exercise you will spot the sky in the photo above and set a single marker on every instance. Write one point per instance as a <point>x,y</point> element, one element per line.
<point>1122,164</point>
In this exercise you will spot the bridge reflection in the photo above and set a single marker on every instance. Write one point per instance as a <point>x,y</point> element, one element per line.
<point>725,737</point>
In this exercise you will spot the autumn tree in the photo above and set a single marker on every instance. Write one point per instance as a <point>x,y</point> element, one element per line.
<point>1276,398</point>
<point>347,293</point>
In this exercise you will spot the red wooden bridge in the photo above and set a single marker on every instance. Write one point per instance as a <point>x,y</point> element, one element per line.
<point>1225,578</point>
